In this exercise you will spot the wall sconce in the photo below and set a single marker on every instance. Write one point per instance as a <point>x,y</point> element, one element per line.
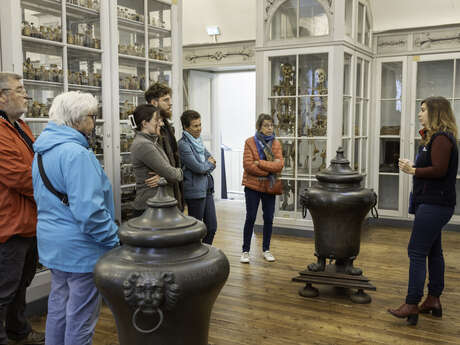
<point>213,31</point>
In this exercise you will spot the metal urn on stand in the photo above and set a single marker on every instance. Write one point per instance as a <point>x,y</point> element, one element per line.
<point>338,206</point>
<point>162,282</point>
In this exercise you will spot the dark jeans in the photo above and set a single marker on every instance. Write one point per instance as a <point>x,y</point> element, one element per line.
<point>425,241</point>
<point>18,263</point>
<point>252,204</point>
<point>204,209</point>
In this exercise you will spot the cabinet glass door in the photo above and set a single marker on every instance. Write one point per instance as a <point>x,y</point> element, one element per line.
<point>390,103</point>
<point>299,106</point>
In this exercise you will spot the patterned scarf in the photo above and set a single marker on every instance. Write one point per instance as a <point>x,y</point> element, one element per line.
<point>264,147</point>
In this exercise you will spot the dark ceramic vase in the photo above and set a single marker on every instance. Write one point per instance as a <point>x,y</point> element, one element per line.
<point>338,205</point>
<point>161,284</point>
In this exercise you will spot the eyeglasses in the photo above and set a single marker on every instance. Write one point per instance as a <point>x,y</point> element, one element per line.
<point>93,117</point>
<point>268,125</point>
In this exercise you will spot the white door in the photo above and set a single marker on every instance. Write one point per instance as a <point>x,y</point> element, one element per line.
<point>201,99</point>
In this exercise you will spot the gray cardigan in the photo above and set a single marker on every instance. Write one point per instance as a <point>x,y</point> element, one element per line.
<point>148,156</point>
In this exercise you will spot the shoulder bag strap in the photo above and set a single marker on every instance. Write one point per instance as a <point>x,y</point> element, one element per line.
<point>63,197</point>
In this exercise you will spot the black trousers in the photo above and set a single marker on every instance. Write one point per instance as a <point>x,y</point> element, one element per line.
<point>18,263</point>
<point>204,209</point>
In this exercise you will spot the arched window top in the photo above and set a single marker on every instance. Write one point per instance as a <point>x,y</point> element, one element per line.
<point>299,19</point>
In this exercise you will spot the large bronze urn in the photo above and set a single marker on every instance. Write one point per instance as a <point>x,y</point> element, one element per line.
<point>162,282</point>
<point>338,205</point>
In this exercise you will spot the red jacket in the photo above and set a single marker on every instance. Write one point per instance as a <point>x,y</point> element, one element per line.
<point>252,172</point>
<point>18,213</point>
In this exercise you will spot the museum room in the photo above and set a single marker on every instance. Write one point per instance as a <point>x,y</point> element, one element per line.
<point>147,145</point>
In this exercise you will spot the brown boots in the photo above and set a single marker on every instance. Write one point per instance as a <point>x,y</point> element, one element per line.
<point>431,304</point>
<point>406,310</point>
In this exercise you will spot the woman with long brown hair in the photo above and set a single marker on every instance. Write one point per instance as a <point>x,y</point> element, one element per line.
<point>432,201</point>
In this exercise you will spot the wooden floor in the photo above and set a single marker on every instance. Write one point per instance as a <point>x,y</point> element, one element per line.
<point>260,305</point>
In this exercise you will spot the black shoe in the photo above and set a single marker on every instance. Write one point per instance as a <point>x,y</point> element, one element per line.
<point>33,338</point>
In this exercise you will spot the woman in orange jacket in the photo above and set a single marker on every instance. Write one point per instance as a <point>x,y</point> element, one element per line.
<point>262,162</point>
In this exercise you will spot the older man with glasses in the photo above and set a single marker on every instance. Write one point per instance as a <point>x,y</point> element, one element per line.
<point>18,214</point>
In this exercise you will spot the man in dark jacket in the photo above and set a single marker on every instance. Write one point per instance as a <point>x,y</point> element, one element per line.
<point>160,96</point>
<point>18,214</point>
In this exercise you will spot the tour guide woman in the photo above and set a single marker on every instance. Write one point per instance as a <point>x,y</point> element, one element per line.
<point>433,201</point>
<point>262,161</point>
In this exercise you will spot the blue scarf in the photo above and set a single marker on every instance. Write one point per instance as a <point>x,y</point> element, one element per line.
<point>197,144</point>
<point>264,145</point>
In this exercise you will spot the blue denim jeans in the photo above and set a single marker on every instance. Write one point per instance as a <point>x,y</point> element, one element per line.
<point>425,242</point>
<point>73,309</point>
<point>253,199</point>
<point>204,209</point>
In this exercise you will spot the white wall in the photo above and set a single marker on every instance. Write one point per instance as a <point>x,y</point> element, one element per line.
<point>235,18</point>
<point>397,14</point>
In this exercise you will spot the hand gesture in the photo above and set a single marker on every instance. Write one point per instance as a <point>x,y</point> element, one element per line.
<point>212,160</point>
<point>152,182</point>
<point>405,165</point>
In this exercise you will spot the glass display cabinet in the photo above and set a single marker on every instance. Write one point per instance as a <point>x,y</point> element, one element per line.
<point>436,75</point>
<point>61,51</point>
<point>144,57</point>
<point>405,77</point>
<point>316,88</point>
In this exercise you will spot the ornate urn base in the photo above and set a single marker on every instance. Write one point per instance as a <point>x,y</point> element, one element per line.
<point>162,282</point>
<point>338,206</point>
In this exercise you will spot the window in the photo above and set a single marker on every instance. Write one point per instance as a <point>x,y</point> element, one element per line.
<point>299,18</point>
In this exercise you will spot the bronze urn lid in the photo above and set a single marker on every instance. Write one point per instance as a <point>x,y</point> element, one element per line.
<point>162,224</point>
<point>339,172</point>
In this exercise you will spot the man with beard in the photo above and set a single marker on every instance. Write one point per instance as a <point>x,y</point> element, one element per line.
<point>18,214</point>
<point>160,96</point>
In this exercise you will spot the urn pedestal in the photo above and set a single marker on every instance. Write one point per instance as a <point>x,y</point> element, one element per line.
<point>338,205</point>
<point>162,282</point>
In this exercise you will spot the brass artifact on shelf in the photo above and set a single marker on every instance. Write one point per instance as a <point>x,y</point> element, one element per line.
<point>288,190</point>
<point>133,82</point>
<point>288,148</point>
<point>91,4</point>
<point>126,109</point>
<point>51,33</point>
<point>129,13</point>
<point>316,122</point>
<point>127,174</point>
<point>84,39</point>
<point>158,54</point>
<point>283,109</point>
<point>43,73</point>
<point>390,130</point>
<point>338,205</point>
<point>132,49</point>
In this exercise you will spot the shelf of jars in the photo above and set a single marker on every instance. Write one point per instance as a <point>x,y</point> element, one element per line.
<point>54,62</point>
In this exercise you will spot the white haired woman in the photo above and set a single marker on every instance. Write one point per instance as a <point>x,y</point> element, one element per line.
<point>76,223</point>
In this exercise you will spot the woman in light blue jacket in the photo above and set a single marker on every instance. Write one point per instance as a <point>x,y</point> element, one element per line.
<point>197,164</point>
<point>72,236</point>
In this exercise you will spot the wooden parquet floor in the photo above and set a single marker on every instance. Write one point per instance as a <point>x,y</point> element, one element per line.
<point>260,305</point>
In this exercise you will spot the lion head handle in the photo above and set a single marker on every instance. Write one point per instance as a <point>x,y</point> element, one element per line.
<point>150,291</point>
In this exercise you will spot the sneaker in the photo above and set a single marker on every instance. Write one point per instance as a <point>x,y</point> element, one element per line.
<point>33,338</point>
<point>268,256</point>
<point>244,258</point>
